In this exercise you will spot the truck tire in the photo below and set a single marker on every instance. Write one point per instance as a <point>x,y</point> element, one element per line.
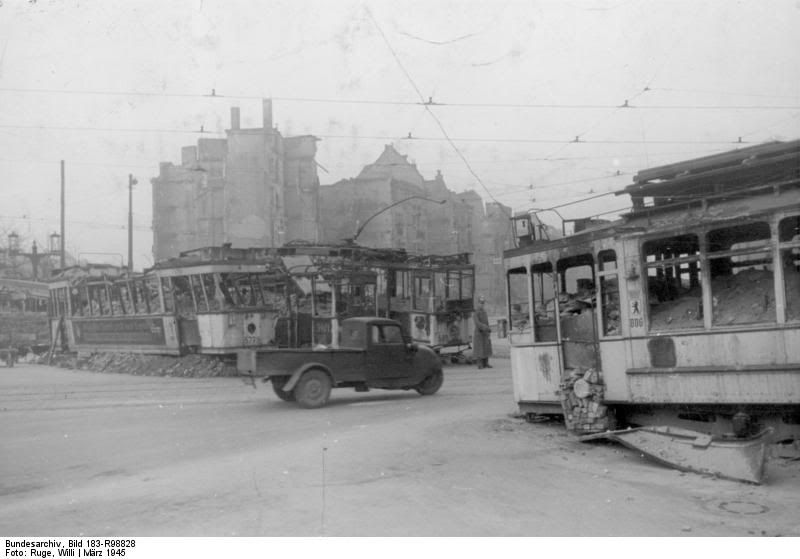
<point>313,389</point>
<point>277,386</point>
<point>432,384</point>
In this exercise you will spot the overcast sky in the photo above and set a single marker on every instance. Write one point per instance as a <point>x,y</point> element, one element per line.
<point>114,88</point>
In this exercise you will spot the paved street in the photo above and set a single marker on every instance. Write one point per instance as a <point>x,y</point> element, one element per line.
<point>100,454</point>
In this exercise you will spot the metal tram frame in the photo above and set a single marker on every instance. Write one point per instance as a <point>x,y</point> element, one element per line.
<point>214,300</point>
<point>684,312</point>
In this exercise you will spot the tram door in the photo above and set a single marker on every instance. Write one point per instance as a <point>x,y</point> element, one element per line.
<point>577,330</point>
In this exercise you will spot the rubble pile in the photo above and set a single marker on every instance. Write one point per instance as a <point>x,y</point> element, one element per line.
<point>744,298</point>
<point>684,312</point>
<point>582,401</point>
<point>194,366</point>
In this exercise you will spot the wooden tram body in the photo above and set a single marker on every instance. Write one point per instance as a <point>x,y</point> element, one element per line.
<point>684,312</point>
<point>431,296</point>
<point>215,300</point>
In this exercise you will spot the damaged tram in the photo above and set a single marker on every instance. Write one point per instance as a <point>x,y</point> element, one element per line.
<point>215,300</point>
<point>683,313</point>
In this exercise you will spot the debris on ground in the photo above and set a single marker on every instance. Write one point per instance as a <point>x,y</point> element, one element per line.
<point>193,365</point>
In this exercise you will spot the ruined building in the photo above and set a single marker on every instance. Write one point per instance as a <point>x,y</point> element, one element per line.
<point>256,188</point>
<point>253,188</point>
<point>417,223</point>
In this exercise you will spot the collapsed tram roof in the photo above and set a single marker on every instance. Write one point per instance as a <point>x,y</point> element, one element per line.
<point>737,173</point>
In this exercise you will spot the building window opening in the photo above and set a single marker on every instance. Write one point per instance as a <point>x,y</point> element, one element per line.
<point>674,291</point>
<point>742,275</point>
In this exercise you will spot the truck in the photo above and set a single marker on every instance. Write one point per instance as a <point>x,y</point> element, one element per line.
<point>373,352</point>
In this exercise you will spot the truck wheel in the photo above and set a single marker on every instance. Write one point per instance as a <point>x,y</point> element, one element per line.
<point>431,385</point>
<point>313,389</point>
<point>277,386</point>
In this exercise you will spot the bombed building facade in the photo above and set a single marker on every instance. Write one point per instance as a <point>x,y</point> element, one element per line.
<point>253,188</point>
<point>257,188</point>
<point>391,205</point>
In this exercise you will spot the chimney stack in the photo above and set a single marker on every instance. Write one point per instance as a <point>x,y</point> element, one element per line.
<point>235,118</point>
<point>267,110</point>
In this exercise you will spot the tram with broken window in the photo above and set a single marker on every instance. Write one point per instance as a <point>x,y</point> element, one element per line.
<point>431,296</point>
<point>103,308</point>
<point>214,300</point>
<point>210,300</point>
<point>684,313</point>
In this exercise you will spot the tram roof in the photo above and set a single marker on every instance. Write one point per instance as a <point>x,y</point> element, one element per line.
<point>741,171</point>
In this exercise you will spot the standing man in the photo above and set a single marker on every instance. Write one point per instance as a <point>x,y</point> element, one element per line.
<point>481,342</point>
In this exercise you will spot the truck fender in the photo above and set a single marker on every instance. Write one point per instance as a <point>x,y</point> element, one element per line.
<point>298,372</point>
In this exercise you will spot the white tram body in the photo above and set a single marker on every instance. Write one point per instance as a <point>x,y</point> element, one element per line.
<point>685,312</point>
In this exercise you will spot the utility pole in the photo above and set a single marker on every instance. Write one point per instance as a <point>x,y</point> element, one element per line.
<point>131,182</point>
<point>63,261</point>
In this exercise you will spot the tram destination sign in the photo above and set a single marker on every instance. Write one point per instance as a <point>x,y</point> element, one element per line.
<point>116,331</point>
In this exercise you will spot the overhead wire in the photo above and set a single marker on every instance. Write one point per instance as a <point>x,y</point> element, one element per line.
<point>430,112</point>
<point>351,137</point>
<point>423,102</point>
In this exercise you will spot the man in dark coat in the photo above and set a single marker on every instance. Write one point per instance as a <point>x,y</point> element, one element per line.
<point>481,340</point>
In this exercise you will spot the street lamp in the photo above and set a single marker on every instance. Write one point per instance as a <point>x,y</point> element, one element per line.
<point>34,255</point>
<point>352,240</point>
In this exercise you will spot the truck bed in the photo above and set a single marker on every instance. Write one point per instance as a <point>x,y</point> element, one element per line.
<point>284,361</point>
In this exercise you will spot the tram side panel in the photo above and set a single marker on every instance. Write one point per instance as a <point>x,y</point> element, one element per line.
<point>219,332</point>
<point>140,334</point>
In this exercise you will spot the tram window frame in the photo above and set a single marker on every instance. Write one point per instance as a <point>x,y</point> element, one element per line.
<point>453,285</point>
<point>789,251</point>
<point>183,296</point>
<point>439,290</point>
<point>199,291</point>
<point>216,297</point>
<point>577,283</point>
<point>608,294</point>
<point>62,306</point>
<point>543,330</point>
<point>663,257</point>
<point>520,328</point>
<point>92,300</point>
<point>322,299</point>
<point>156,296</point>
<point>400,296</point>
<point>115,298</point>
<point>468,285</point>
<point>257,297</point>
<point>124,297</point>
<point>273,290</point>
<point>140,298</point>
<point>343,296</point>
<point>734,250</point>
<point>165,285</point>
<point>422,298</point>
<point>99,296</point>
